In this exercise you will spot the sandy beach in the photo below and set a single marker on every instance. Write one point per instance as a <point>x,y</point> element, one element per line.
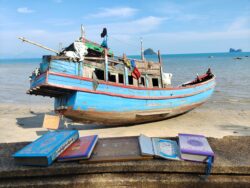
<point>22,122</point>
<point>227,112</point>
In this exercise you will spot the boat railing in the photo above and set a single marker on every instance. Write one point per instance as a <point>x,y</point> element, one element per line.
<point>103,59</point>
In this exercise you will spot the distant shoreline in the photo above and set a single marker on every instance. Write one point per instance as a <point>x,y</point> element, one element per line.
<point>170,55</point>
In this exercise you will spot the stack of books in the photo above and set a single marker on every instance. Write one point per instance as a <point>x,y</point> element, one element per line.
<point>61,145</point>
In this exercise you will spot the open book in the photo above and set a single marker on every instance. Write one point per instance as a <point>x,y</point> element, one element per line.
<point>167,149</point>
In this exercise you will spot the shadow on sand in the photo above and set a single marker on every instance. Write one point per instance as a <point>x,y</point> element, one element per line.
<point>238,130</point>
<point>33,121</point>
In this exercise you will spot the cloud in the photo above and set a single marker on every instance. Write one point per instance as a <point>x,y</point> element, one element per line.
<point>122,36</point>
<point>181,12</point>
<point>201,36</point>
<point>239,24</point>
<point>114,12</point>
<point>193,41</point>
<point>127,42</point>
<point>12,47</point>
<point>24,10</point>
<point>138,26</point>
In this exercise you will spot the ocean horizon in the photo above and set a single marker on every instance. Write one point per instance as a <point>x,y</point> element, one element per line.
<point>208,54</point>
<point>232,76</point>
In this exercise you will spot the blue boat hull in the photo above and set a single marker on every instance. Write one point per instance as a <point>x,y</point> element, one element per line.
<point>117,104</point>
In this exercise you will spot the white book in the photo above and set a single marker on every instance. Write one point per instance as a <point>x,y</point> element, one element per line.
<point>164,148</point>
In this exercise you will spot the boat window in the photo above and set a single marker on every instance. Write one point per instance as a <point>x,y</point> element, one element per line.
<point>99,74</point>
<point>130,80</point>
<point>120,78</point>
<point>155,82</point>
<point>112,77</point>
<point>142,81</point>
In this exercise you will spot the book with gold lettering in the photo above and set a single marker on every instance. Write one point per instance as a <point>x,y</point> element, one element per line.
<point>81,149</point>
<point>44,150</point>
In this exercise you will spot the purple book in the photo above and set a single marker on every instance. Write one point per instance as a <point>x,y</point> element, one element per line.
<point>195,148</point>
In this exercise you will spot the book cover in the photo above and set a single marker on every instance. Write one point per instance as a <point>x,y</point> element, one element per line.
<point>81,149</point>
<point>146,145</point>
<point>164,148</point>
<point>116,149</point>
<point>167,149</point>
<point>44,150</point>
<point>194,145</point>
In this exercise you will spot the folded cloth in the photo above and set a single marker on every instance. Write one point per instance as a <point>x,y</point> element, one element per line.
<point>127,63</point>
<point>132,62</point>
<point>136,73</point>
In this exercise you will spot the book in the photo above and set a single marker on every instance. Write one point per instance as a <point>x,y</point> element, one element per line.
<point>81,149</point>
<point>195,148</point>
<point>51,121</point>
<point>116,149</point>
<point>157,147</point>
<point>44,150</point>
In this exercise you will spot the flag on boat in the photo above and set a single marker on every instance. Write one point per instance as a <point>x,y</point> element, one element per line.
<point>136,73</point>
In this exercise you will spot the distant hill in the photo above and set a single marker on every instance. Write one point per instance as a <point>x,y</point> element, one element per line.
<point>149,51</point>
<point>231,50</point>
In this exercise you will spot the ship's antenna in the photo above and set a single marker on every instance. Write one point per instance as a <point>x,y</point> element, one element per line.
<point>60,47</point>
<point>82,32</point>
<point>142,51</point>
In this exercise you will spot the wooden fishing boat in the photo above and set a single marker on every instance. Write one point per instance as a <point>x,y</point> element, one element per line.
<point>101,88</point>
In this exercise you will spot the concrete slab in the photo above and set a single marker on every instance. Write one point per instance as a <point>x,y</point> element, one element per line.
<point>232,157</point>
<point>149,180</point>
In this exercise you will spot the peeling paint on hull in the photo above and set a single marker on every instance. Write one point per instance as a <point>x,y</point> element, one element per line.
<point>123,118</point>
<point>116,104</point>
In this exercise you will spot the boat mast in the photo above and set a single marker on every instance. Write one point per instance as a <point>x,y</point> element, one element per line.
<point>37,44</point>
<point>161,70</point>
<point>106,65</point>
<point>142,52</point>
<point>82,32</point>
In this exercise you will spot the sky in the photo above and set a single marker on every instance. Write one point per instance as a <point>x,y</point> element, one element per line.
<point>173,27</point>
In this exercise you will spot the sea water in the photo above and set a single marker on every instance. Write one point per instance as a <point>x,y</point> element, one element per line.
<point>232,77</point>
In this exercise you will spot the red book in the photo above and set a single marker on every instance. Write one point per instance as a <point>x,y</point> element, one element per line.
<point>81,149</point>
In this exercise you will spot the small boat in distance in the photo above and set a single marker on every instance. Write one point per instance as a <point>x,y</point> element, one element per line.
<point>91,85</point>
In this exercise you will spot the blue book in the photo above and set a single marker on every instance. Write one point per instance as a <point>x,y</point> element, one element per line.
<point>47,148</point>
<point>163,148</point>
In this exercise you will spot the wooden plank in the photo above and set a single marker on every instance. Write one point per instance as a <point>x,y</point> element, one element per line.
<point>56,91</point>
<point>165,112</point>
<point>103,59</point>
<point>151,72</point>
<point>49,91</point>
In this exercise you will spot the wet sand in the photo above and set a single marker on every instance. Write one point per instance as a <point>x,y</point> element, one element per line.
<point>22,122</point>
